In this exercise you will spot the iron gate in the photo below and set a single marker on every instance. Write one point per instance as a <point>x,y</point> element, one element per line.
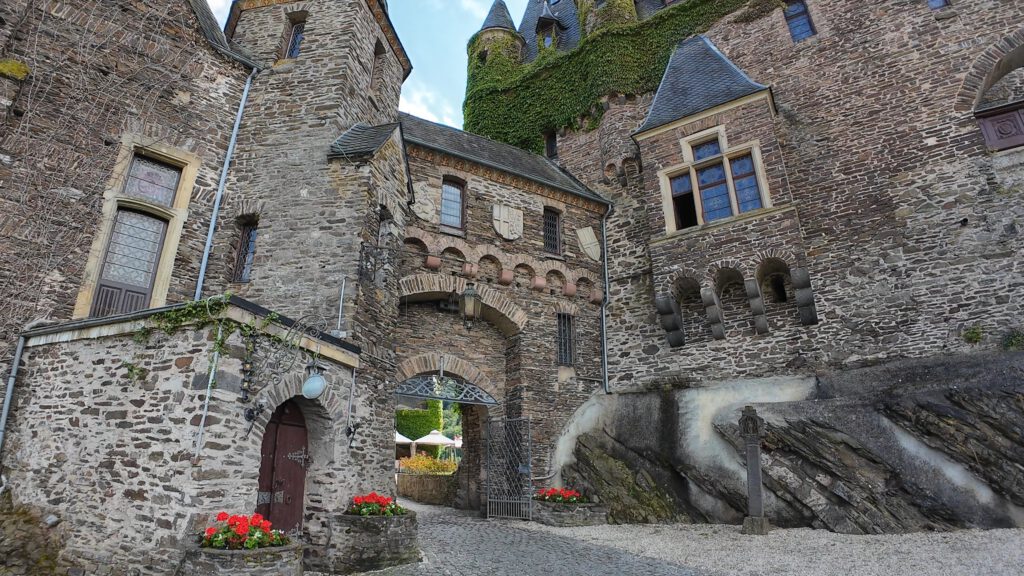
<point>509,491</point>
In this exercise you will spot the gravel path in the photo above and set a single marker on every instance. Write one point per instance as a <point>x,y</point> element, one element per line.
<point>462,544</point>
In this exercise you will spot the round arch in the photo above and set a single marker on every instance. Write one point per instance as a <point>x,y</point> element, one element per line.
<point>506,316</point>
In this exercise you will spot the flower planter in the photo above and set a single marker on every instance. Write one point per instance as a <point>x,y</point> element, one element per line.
<point>366,543</point>
<point>283,560</point>
<point>564,515</point>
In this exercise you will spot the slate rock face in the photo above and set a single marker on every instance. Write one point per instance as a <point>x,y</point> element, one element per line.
<point>925,445</point>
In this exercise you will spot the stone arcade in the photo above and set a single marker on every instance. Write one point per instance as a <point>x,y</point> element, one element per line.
<point>811,209</point>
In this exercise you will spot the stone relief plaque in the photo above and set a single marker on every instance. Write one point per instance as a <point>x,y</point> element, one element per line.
<point>508,222</point>
<point>589,244</point>
<point>425,208</point>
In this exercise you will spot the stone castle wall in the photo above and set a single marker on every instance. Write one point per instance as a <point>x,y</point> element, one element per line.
<point>905,223</point>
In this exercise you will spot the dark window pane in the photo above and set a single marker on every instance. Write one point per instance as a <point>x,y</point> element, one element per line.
<point>682,185</point>
<point>295,42</point>
<point>153,181</point>
<point>686,211</point>
<point>707,149</point>
<point>246,253</point>
<point>451,205</point>
<point>565,344</point>
<point>552,231</point>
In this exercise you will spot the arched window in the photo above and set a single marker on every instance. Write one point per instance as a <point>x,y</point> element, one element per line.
<point>799,20</point>
<point>452,206</point>
<point>296,34</point>
<point>379,54</point>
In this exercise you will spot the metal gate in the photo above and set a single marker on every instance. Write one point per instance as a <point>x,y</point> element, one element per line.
<point>509,492</point>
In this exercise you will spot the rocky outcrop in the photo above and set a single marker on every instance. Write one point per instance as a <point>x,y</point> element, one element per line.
<point>26,545</point>
<point>914,445</point>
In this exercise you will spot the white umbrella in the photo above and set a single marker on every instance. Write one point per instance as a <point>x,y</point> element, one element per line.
<point>458,442</point>
<point>399,439</point>
<point>435,438</point>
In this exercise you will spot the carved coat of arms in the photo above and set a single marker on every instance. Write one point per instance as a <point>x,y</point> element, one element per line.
<point>589,244</point>
<point>508,222</point>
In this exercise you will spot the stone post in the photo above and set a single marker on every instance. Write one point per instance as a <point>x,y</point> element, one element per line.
<point>751,429</point>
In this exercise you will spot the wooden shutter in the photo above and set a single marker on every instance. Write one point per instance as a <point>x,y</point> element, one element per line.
<point>129,266</point>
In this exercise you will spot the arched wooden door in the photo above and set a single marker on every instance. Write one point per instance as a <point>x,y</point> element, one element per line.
<point>284,458</point>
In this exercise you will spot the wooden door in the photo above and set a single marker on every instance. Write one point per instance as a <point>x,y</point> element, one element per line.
<point>284,458</point>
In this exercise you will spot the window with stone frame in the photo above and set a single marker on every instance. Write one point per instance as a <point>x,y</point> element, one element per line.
<point>245,255</point>
<point>130,260</point>
<point>565,344</point>
<point>296,35</point>
<point>798,18</point>
<point>552,231</point>
<point>452,203</point>
<point>718,184</point>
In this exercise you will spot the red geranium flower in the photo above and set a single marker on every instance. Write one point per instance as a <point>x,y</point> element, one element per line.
<point>222,516</point>
<point>210,531</point>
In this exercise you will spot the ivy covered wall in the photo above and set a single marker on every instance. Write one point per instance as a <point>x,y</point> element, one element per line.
<point>518,103</point>
<point>415,424</point>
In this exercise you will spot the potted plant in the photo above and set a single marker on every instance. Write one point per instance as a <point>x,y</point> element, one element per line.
<point>374,533</point>
<point>566,507</point>
<point>243,542</point>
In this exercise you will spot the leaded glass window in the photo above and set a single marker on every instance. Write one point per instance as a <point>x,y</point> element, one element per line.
<point>799,21</point>
<point>451,204</point>
<point>714,192</point>
<point>566,344</point>
<point>152,181</point>
<point>129,267</point>
<point>246,253</point>
<point>298,34</point>
<point>552,231</point>
<point>744,180</point>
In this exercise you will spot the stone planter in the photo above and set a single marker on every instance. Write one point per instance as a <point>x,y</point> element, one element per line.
<point>284,560</point>
<point>565,515</point>
<point>366,543</point>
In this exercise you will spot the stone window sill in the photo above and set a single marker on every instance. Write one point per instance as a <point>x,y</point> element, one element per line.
<point>451,231</point>
<point>703,228</point>
<point>550,256</point>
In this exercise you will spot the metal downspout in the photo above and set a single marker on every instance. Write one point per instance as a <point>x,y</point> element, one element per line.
<point>9,396</point>
<point>604,303</point>
<point>211,377</point>
<point>223,183</point>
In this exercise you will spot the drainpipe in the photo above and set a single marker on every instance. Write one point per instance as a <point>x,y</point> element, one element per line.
<point>604,303</point>
<point>209,391</point>
<point>223,183</point>
<point>9,396</point>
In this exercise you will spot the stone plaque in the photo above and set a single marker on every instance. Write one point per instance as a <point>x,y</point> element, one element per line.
<point>425,208</point>
<point>508,222</point>
<point>589,244</point>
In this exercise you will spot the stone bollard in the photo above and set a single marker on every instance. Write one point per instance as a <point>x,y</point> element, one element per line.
<point>752,429</point>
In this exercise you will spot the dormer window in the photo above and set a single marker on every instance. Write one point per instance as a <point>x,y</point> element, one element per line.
<point>548,36</point>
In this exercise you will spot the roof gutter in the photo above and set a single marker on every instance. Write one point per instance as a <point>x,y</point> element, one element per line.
<point>221,185</point>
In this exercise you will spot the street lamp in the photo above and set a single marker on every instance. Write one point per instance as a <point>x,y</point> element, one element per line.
<point>471,304</point>
<point>315,383</point>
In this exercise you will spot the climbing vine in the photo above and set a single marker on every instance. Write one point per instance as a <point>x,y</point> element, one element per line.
<point>518,104</point>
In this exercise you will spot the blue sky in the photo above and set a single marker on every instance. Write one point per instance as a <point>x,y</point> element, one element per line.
<point>434,33</point>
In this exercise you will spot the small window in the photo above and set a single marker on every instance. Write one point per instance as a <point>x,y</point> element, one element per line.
<point>566,344</point>
<point>246,253</point>
<point>937,4</point>
<point>379,55</point>
<point>550,145</point>
<point>295,38</point>
<point>799,21</point>
<point>682,201</point>
<point>552,231</point>
<point>451,204</point>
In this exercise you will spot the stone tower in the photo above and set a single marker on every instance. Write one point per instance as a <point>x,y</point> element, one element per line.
<point>496,49</point>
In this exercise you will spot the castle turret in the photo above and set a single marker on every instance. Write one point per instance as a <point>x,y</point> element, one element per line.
<point>496,48</point>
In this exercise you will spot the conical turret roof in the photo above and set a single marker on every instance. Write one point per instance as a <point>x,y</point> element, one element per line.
<point>499,17</point>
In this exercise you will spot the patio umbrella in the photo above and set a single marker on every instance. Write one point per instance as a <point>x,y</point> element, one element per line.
<point>399,439</point>
<point>435,438</point>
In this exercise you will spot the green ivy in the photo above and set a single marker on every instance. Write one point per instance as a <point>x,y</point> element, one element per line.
<point>415,424</point>
<point>518,104</point>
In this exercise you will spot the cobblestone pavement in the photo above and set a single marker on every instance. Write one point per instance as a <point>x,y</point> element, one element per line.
<point>459,543</point>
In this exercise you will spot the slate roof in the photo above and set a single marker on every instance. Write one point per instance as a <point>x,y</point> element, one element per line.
<point>215,36</point>
<point>498,17</point>
<point>492,154</point>
<point>362,140</point>
<point>568,34</point>
<point>698,77</point>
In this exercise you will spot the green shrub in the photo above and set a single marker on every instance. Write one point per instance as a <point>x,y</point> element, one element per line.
<point>973,334</point>
<point>425,464</point>
<point>415,424</point>
<point>1014,340</point>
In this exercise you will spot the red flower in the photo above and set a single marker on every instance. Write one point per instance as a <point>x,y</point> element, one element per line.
<point>222,516</point>
<point>210,531</point>
<point>242,529</point>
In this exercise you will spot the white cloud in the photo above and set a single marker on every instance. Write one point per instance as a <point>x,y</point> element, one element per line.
<point>421,101</point>
<point>477,8</point>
